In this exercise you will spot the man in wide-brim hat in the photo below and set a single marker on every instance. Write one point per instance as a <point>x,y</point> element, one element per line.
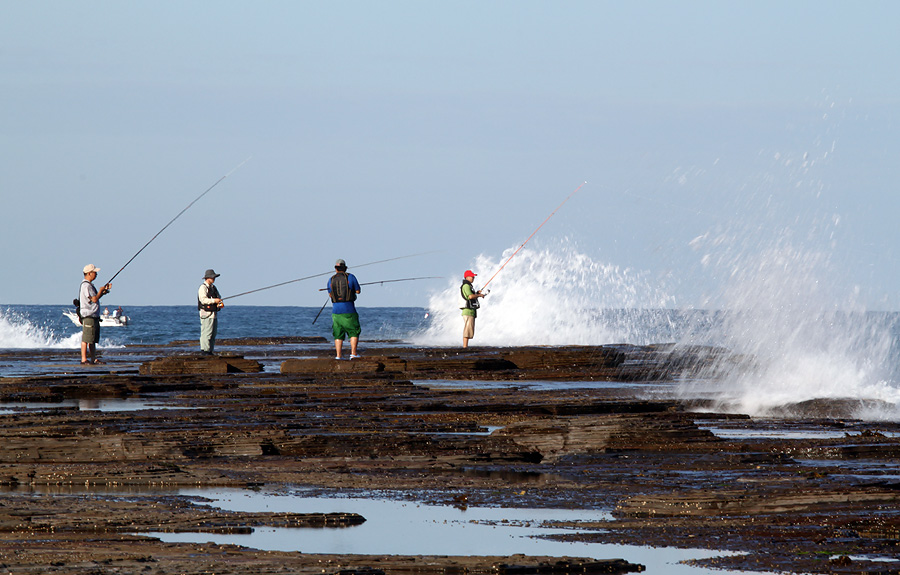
<point>209,302</point>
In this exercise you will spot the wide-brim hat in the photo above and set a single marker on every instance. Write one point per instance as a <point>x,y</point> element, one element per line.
<point>210,274</point>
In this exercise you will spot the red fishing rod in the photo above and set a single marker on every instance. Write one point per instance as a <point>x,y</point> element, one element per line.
<point>531,236</point>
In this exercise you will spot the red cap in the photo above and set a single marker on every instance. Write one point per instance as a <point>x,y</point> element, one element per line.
<point>469,273</point>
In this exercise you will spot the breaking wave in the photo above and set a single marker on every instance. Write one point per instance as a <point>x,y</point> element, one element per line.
<point>18,332</point>
<point>797,338</point>
<point>801,342</point>
<point>554,296</point>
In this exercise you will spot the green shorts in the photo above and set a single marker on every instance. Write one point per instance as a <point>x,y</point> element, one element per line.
<point>90,330</point>
<point>344,325</point>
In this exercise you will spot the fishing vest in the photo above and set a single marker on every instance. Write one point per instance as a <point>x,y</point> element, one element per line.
<point>211,292</point>
<point>340,288</point>
<point>469,303</point>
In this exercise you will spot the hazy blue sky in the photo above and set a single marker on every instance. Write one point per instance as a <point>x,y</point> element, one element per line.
<point>707,132</point>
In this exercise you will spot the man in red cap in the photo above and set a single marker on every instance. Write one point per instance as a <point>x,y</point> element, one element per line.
<point>470,309</point>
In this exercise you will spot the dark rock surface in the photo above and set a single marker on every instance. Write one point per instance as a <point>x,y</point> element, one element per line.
<point>199,365</point>
<point>810,503</point>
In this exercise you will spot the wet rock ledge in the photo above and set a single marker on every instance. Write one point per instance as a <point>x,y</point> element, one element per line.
<point>83,489</point>
<point>200,365</point>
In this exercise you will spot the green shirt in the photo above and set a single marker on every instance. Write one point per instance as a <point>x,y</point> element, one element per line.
<point>467,291</point>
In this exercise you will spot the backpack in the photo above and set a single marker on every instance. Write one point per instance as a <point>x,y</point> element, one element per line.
<point>77,303</point>
<point>340,288</point>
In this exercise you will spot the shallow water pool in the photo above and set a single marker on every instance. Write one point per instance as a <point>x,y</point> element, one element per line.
<point>409,528</point>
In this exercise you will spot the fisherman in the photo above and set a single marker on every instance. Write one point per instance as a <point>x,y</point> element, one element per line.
<point>89,311</point>
<point>209,302</point>
<point>470,309</point>
<point>342,289</point>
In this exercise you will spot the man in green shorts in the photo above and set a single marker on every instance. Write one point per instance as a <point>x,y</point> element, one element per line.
<point>342,289</point>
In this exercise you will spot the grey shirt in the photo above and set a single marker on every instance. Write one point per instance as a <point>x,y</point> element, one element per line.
<point>89,308</point>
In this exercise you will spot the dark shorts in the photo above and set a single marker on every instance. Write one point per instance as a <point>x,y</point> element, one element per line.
<point>344,325</point>
<point>90,330</point>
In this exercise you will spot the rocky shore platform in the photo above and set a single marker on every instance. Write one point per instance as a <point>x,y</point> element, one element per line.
<point>605,428</point>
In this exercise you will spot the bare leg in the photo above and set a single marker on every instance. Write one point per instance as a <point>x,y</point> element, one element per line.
<point>468,330</point>
<point>353,342</point>
<point>84,349</point>
<point>338,346</point>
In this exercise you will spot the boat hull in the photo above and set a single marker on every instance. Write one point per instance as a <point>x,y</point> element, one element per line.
<point>105,320</point>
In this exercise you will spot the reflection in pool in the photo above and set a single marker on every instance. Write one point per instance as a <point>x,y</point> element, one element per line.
<point>409,528</point>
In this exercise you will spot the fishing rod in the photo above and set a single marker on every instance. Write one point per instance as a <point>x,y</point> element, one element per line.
<point>532,235</point>
<point>391,281</point>
<point>176,217</point>
<point>321,309</point>
<point>325,274</point>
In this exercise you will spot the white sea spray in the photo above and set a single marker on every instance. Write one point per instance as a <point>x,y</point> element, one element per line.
<point>552,296</point>
<point>18,332</point>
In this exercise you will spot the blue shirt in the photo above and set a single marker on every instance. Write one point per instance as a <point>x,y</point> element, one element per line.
<point>345,306</point>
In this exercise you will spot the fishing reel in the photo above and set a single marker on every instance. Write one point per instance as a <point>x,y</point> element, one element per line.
<point>475,304</point>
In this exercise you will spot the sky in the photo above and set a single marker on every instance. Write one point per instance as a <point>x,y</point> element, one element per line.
<point>709,133</point>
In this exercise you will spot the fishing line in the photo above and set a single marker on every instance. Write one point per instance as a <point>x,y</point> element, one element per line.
<point>532,235</point>
<point>176,217</point>
<point>325,274</point>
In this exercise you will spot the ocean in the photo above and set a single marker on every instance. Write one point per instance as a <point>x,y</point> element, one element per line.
<point>41,340</point>
<point>45,326</point>
<point>796,358</point>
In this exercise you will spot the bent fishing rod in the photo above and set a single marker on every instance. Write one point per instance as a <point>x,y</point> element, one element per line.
<point>532,235</point>
<point>324,274</point>
<point>321,309</point>
<point>176,217</point>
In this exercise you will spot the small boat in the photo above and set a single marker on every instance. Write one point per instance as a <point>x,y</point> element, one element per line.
<point>106,320</point>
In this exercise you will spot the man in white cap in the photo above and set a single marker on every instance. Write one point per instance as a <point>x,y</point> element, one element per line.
<point>89,311</point>
<point>209,302</point>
